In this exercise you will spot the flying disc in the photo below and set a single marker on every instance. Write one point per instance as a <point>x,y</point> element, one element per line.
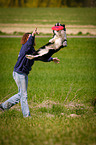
<point>57,28</point>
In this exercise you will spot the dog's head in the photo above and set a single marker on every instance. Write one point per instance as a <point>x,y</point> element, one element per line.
<point>58,24</point>
<point>59,33</point>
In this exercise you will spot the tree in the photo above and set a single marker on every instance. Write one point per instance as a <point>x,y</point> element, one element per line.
<point>47,3</point>
<point>16,3</point>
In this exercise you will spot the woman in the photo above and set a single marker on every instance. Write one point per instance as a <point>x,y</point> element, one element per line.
<point>20,74</point>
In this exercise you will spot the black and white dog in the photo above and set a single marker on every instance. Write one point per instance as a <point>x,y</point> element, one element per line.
<point>58,41</point>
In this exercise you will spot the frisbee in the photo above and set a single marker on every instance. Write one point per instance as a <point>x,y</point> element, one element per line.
<point>57,28</point>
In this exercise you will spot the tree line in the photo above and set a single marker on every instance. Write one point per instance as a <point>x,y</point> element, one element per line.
<point>47,3</point>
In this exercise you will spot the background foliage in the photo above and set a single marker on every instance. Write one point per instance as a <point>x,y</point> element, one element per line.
<point>47,3</point>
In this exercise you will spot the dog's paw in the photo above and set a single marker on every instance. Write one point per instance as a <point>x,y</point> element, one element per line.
<point>30,56</point>
<point>65,43</point>
<point>51,40</point>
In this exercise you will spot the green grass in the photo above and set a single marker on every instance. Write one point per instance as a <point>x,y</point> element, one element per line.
<point>55,91</point>
<point>78,16</point>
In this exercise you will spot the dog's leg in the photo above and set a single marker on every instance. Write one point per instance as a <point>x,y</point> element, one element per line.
<point>65,37</point>
<point>41,51</point>
<point>30,56</point>
<point>34,56</point>
<point>65,40</point>
<point>52,40</point>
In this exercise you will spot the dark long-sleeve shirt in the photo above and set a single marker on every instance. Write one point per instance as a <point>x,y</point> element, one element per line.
<point>24,65</point>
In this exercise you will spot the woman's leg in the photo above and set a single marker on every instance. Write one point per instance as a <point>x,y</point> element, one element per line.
<point>16,98</point>
<point>23,99</point>
<point>22,83</point>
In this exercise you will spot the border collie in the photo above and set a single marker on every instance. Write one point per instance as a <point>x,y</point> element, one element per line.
<point>58,41</point>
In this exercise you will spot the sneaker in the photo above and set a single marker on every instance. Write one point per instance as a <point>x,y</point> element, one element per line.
<point>1,108</point>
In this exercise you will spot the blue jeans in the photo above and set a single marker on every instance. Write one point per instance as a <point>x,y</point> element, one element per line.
<point>22,83</point>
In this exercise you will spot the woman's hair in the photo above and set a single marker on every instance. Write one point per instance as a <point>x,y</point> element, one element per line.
<point>24,38</point>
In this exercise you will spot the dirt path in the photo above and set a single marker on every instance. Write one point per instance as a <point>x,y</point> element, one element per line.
<point>46,29</point>
<point>13,36</point>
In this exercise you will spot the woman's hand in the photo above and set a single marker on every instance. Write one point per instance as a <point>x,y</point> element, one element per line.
<point>35,32</point>
<point>56,60</point>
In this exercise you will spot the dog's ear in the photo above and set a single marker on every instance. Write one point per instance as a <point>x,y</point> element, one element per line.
<point>58,24</point>
<point>64,27</point>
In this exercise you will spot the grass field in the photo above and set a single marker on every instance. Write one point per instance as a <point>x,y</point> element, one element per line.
<point>78,16</point>
<point>60,96</point>
<point>14,20</point>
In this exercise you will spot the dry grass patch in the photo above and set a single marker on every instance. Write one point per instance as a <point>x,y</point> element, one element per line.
<point>46,28</point>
